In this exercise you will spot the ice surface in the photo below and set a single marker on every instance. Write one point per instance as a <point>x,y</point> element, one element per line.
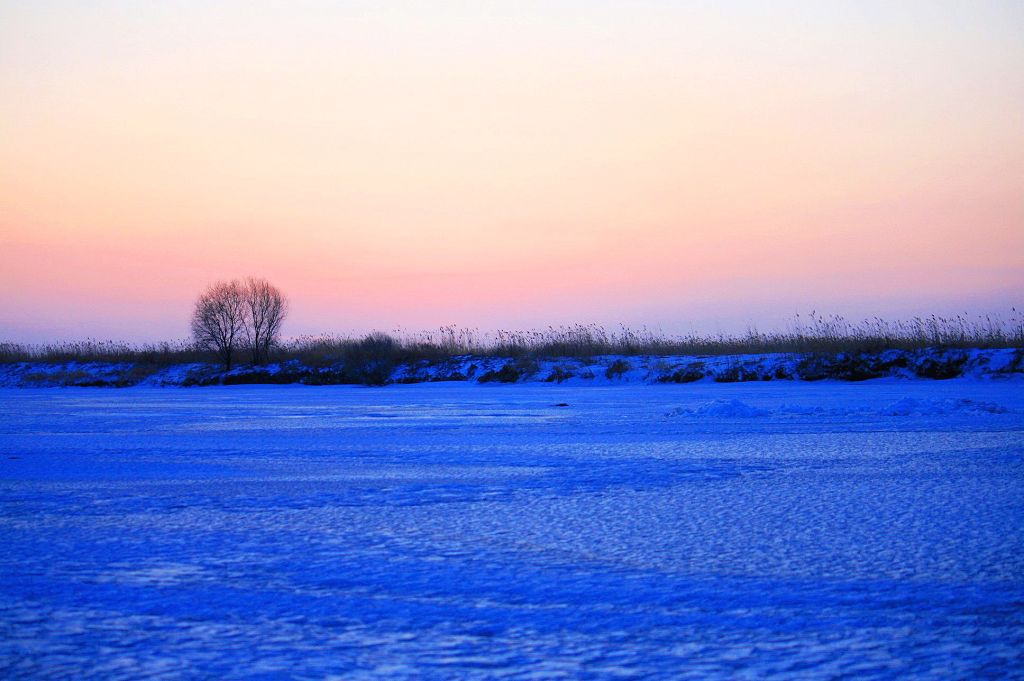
<point>910,406</point>
<point>461,531</point>
<point>727,408</point>
<point>907,406</point>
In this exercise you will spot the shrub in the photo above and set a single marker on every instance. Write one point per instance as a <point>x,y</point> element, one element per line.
<point>949,365</point>
<point>559,373</point>
<point>736,373</point>
<point>617,368</point>
<point>690,374</point>
<point>507,374</point>
<point>510,372</point>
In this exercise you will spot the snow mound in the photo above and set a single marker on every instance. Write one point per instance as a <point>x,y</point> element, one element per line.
<point>809,410</point>
<point>721,409</point>
<point>909,406</point>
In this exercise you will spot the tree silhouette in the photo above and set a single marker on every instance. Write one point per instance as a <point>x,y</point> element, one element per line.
<point>218,320</point>
<point>265,310</point>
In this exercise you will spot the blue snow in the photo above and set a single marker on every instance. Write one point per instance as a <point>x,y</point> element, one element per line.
<point>451,530</point>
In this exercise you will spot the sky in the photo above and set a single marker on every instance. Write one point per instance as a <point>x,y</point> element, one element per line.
<point>688,166</point>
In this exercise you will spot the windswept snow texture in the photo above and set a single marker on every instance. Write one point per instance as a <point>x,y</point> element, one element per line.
<point>437,531</point>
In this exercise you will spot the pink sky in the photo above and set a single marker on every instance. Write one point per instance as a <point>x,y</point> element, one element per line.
<point>508,164</point>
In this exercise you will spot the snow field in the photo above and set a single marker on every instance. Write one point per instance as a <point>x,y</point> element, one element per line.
<point>437,531</point>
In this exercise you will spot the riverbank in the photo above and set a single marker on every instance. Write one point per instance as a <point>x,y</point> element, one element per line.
<point>928,363</point>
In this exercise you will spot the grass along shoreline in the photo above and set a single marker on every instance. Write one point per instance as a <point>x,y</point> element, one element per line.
<point>812,348</point>
<point>811,334</point>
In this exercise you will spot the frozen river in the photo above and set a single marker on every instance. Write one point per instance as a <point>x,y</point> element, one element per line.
<point>442,531</point>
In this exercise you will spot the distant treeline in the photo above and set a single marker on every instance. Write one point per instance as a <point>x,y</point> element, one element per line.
<point>811,334</point>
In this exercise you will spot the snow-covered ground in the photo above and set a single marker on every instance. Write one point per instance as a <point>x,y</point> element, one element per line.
<point>457,530</point>
<point>931,363</point>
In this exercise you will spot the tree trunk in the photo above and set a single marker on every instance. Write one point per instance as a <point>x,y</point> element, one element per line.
<point>256,349</point>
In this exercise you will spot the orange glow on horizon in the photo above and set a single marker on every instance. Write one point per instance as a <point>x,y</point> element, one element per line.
<point>508,164</point>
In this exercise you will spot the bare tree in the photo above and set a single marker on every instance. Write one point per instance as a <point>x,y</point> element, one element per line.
<point>218,320</point>
<point>265,310</point>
